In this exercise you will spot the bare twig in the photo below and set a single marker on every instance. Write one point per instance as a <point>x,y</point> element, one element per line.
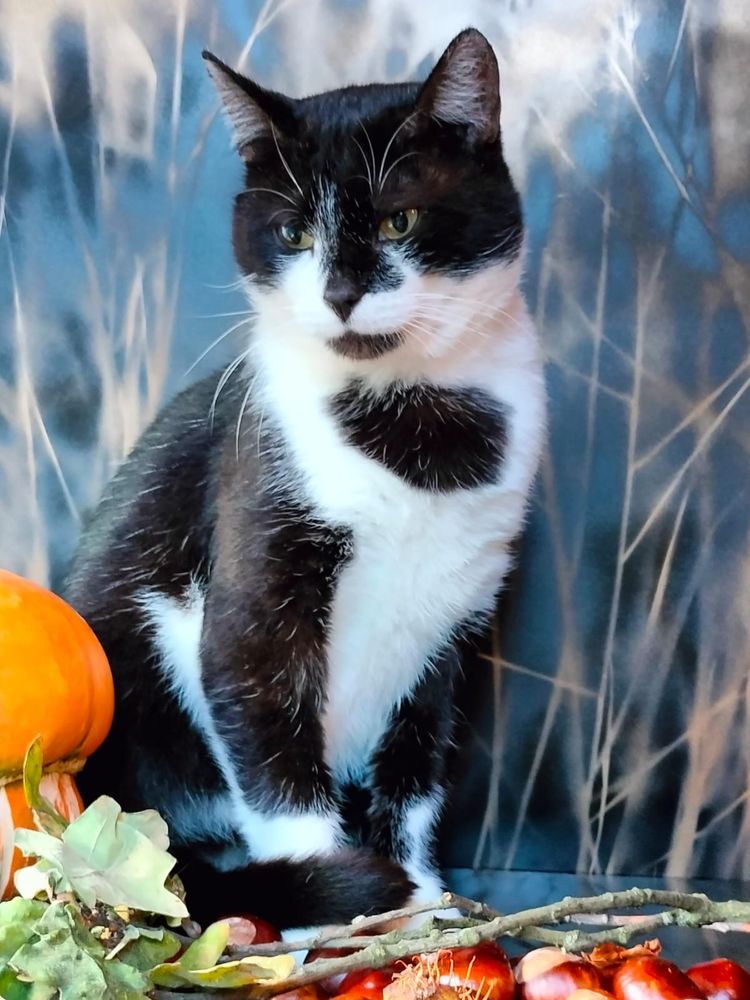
<point>486,924</point>
<point>626,919</point>
<point>330,937</point>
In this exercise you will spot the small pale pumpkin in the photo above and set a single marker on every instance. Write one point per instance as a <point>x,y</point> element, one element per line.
<point>55,683</point>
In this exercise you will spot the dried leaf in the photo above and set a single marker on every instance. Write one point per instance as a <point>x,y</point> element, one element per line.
<point>106,855</point>
<point>47,817</point>
<point>244,972</point>
<point>227,975</point>
<point>46,876</point>
<point>198,966</point>
<point>607,955</point>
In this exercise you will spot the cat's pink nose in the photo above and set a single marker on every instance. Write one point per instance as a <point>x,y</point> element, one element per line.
<point>342,295</point>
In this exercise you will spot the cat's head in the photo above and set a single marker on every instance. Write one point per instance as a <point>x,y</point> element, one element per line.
<point>377,218</point>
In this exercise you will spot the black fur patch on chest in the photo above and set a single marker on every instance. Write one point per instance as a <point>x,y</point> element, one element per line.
<point>434,438</point>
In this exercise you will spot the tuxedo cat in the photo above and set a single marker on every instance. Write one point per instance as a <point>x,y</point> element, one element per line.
<point>280,569</point>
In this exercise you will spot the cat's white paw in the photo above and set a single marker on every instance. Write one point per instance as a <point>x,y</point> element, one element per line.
<point>429,889</point>
<point>412,923</point>
<point>292,934</point>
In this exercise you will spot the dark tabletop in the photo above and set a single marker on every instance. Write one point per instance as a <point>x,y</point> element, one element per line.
<point>509,891</point>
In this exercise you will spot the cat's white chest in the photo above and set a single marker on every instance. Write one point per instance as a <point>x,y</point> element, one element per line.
<point>423,562</point>
<point>413,578</point>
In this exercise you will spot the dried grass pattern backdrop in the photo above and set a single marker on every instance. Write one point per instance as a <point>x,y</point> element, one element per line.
<point>610,719</point>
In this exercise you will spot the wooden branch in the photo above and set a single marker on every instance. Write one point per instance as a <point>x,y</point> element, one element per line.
<point>623,919</point>
<point>484,924</point>
<point>331,937</point>
<point>683,909</point>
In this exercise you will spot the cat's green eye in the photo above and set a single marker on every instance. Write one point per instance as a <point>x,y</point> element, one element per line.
<point>398,225</point>
<point>295,236</point>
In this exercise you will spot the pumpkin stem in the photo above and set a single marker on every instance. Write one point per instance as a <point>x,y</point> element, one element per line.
<point>70,766</point>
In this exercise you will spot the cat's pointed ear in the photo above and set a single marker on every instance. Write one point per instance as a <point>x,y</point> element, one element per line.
<point>464,87</point>
<point>254,113</point>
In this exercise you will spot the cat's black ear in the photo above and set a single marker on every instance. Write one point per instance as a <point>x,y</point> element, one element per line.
<point>254,113</point>
<point>464,87</point>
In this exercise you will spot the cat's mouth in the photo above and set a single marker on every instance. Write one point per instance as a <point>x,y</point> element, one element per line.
<point>365,346</point>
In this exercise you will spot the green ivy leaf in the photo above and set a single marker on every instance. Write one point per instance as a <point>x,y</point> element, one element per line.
<point>145,947</point>
<point>106,855</point>
<point>124,982</point>
<point>63,959</point>
<point>48,818</point>
<point>11,988</point>
<point>53,959</point>
<point>17,920</point>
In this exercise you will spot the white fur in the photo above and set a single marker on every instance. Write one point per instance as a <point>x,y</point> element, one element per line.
<point>421,816</point>
<point>177,627</point>
<point>422,563</point>
<point>419,823</point>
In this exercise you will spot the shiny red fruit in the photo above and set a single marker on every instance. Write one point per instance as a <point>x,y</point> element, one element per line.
<point>246,930</point>
<point>333,985</point>
<point>562,980</point>
<point>310,992</point>
<point>366,984</point>
<point>653,979</point>
<point>585,994</point>
<point>721,979</point>
<point>485,970</point>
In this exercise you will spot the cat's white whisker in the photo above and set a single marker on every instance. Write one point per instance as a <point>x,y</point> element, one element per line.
<point>460,323</point>
<point>369,144</point>
<point>236,312</point>
<point>225,376</point>
<point>404,156</point>
<point>286,165</point>
<point>231,286</point>
<point>248,318</point>
<point>404,123</point>
<point>277,213</point>
<point>243,406</point>
<point>367,165</point>
<point>279,194</point>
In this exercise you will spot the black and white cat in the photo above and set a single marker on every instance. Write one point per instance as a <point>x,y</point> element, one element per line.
<point>279,570</point>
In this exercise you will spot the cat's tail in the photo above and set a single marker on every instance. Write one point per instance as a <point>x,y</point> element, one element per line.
<point>306,892</point>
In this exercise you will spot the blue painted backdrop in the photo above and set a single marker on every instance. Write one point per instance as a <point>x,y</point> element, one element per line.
<point>608,719</point>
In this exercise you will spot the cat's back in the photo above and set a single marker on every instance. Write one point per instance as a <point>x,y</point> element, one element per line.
<point>152,526</point>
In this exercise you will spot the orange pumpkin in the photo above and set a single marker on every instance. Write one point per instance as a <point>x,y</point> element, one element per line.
<point>55,683</point>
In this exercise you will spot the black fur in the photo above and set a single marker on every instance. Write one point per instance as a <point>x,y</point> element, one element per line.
<point>320,890</point>
<point>213,506</point>
<point>381,148</point>
<point>432,437</point>
<point>420,733</point>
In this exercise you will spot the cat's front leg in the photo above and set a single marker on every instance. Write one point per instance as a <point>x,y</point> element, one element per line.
<point>265,733</point>
<point>408,780</point>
